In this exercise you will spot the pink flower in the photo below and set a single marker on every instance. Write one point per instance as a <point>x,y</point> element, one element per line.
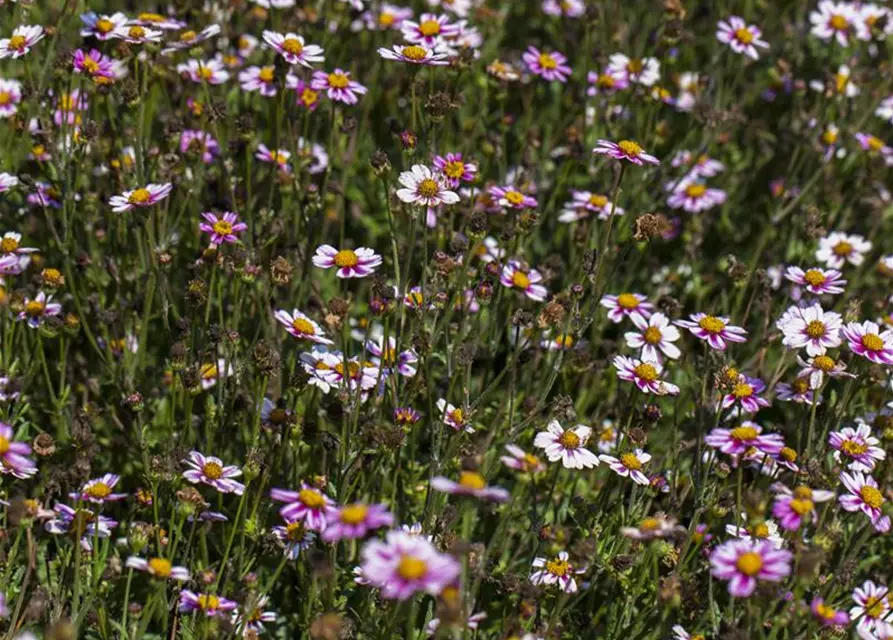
<point>222,229</point>
<point>404,564</point>
<point>293,48</point>
<point>261,79</point>
<point>508,196</point>
<point>857,446</point>
<point>99,490</point>
<point>629,465</point>
<point>645,375</point>
<point>567,445</point>
<point>200,141</point>
<point>211,471</point>
<point>301,326</point>
<point>548,65</point>
<point>745,562</point>
<point>815,280</point>
<point>740,36</point>
<point>308,505</point>
<point>338,86</point>
<point>557,571</point>
<point>609,82</point>
<point>14,458</point>
<point>793,508</point>
<point>349,263</point>
<point>520,460</point>
<point>625,150</point>
<point>828,616</point>
<point>356,520</point>
<point>864,496</point>
<point>470,484</point>
<point>38,308</point>
<point>749,435</point>
<point>414,54</point>
<point>517,276</point>
<point>455,168</point>
<point>867,340</point>
<point>694,196</point>
<point>627,305</point>
<point>429,30</point>
<point>716,330</point>
<point>745,395</point>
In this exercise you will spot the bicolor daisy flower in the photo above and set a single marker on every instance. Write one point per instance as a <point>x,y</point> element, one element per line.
<point>260,79</point>
<point>308,505</point>
<point>874,145</point>
<point>425,188</point>
<point>871,610</point>
<point>279,157</point>
<point>404,362</point>
<point>645,375</point>
<point>610,81</point>
<point>414,54</point>
<point>857,447</point>
<point>470,483</point>
<point>160,568</point>
<point>355,520</point>
<point>92,63</point>
<point>294,538</point>
<point>695,196</point>
<point>739,440</point>
<point>793,508</point>
<point>137,34</point>
<point>837,249</point>
<point>301,326</point>
<point>799,391</point>
<point>387,17</point>
<point>222,229</point>
<point>511,197</point>
<point>828,616</point>
<point>454,417</point>
<point>564,8</point>
<point>212,472</point>
<point>520,460</point>
<point>210,372</point>
<point>867,340</point>
<point>190,38</point>
<point>101,26</point>
<point>517,276</point>
<point>716,330</point>
<point>655,336</point>
<point>38,308</point>
<point>838,20</point>
<point>865,496</point>
<point>200,142</point>
<point>404,564</point>
<point>583,203</point>
<point>549,65</point>
<point>338,86</point>
<point>740,36</point>
<point>625,150</point>
<point>762,530</point>
<point>815,369</point>
<point>211,71</point>
<point>14,456</point>
<point>293,48</point>
<point>813,328</point>
<point>99,490</point>
<point>651,528</point>
<point>815,280</point>
<point>208,604</point>
<point>744,395</point>
<point>567,445</point>
<point>430,30</point>
<point>558,571</point>
<point>349,263</point>
<point>21,41</point>
<point>629,465</point>
<point>83,523</point>
<point>627,305</point>
<point>455,169</point>
<point>644,71</point>
<point>10,97</point>
<point>745,562</point>
<point>250,621</point>
<point>146,196</point>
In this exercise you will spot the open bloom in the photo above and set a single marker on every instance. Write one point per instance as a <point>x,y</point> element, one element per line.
<point>294,537</point>
<point>14,456</point>
<point>404,564</point>
<point>279,157</point>
<point>101,26</point>
<point>260,79</point>
<point>650,528</point>
<point>815,369</point>
<point>625,150</point>
<point>716,330</point>
<point>694,196</point>
<point>627,305</point>
<point>644,71</point>
<point>222,229</point>
<point>349,263</point>
<point>838,20</point>
<point>429,30</point>
<point>200,142</point>
<point>10,97</point>
<point>745,394</point>
<point>608,82</point>
<point>568,445</point>
<point>857,447</point>
<point>584,203</point>
<point>516,276</point>
<point>160,568</point>
<point>629,465</point>
<point>793,508</point>
<point>205,603</point>
<point>765,530</point>
<point>356,520</point>
<point>645,375</point>
<point>82,523</point>
<point>749,435</point>
<point>21,41</point>
<point>211,471</point>
<point>470,483</point>
<point>867,340</point>
<point>872,609</point>
<point>455,169</point>
<point>38,308</point>
<point>655,336</point>
<point>99,490</point>
<point>511,198</point>
<point>865,496</point>
<point>744,562</point>
<point>875,145</point>
<point>740,36</point>
<point>404,362</point>
<point>308,505</point>
<point>425,188</point>
<point>293,48</point>
<point>189,39</point>
<point>557,571</point>
<point>301,326</point>
<point>146,196</point>
<point>414,54</point>
<point>549,65</point>
<point>210,71</point>
<point>828,616</point>
<point>338,86</point>
<point>520,460</point>
<point>836,249</point>
<point>813,328</point>
<point>815,280</point>
<point>454,417</point>
<point>137,34</point>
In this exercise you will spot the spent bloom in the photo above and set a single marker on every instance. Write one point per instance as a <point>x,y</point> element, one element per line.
<point>349,263</point>
<point>146,196</point>
<point>625,150</point>
<point>567,445</point>
<point>740,36</point>
<point>549,65</point>
<point>556,571</point>
<point>745,562</point>
<point>211,471</point>
<point>222,229</point>
<point>404,564</point>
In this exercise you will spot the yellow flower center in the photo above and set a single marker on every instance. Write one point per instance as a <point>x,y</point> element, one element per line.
<point>303,326</point>
<point>415,52</point>
<point>695,190</point>
<point>136,32</point>
<point>627,301</point>
<point>569,440</point>
<point>338,81</point>
<point>711,324</point>
<point>35,308</point>
<point>742,390</point>
<point>635,66</point>
<point>386,19</point>
<point>472,480</point>
<point>814,277</point>
<point>760,531</point>
<point>598,200</point>
<point>428,188</point>
<point>838,22</point>
<point>872,342</point>
<point>411,568</point>
<point>311,498</point>
<point>429,28</point>
<point>160,567</point>
<point>630,148</point>
<point>457,416</point>
<point>208,371</point>
<point>151,17</point>
<point>208,602</point>
<point>531,461</point>
<point>823,363</point>
<point>875,144</point>
<point>309,97</point>
<point>800,385</point>
<point>295,531</point>
<point>816,329</point>
<point>90,65</point>
<point>206,73</point>
<point>346,258</point>
<point>514,197</point>
<point>104,25</point>
<point>649,524</point>
<point>749,563</point>
<point>803,492</point>
<point>871,496</point>
<point>842,249</point>
<point>266,74</point>
<point>99,490</point>
<point>8,244</point>
<point>188,36</point>
<point>212,470</point>
<point>4,445</point>
<point>17,43</point>
<point>853,448</point>
<point>743,35</point>
<point>874,607</point>
<point>743,434</point>
<point>353,369</point>
<point>520,280</point>
<point>139,196</point>
<point>630,461</point>
<point>293,46</point>
<point>223,228</point>
<point>454,169</point>
<point>802,506</point>
<point>829,136</point>
<point>606,81</point>
<point>547,61</point>
<point>354,513</point>
<point>5,98</point>
<point>646,372</point>
<point>564,342</point>
<point>558,567</point>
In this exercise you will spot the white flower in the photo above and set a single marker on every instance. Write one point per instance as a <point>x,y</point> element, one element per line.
<point>567,446</point>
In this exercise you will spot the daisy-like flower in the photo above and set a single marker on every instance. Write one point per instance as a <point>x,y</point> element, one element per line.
<point>716,330</point>
<point>745,395</point>
<point>92,63</point>
<point>655,336</point>
<point>610,81</point>
<point>583,203</point>
<point>503,71</point>
<point>338,86</point>
<point>516,276</point>
<point>387,17</point>
<point>556,571</point>
<point>308,505</point>
<point>211,371</point>
<point>211,471</point>
<point>567,445</point>
<point>294,537</point>
<point>301,326</point>
<point>101,26</point>
<point>349,263</point>
<point>815,280</point>
<point>885,109</point>
<point>404,362</point>
<point>695,196</point>
<point>837,249</point>
<point>305,96</point>
<point>745,562</point>
<point>651,528</point>
<point>404,564</point>
<point>10,97</point>
<point>798,391</point>
<point>644,71</point>
<point>292,47</point>
<point>737,441</point>
<point>872,608</point>
<point>766,530</point>
<point>645,375</point>
<point>470,483</point>
<point>160,568</point>
<point>356,520</point>
<point>629,465</point>
<point>564,8</point>
<point>200,142</point>
<point>815,369</point>
<point>168,23</point>
<point>146,196</point>
<point>425,188</point>
<point>867,340</point>
<point>21,41</point>
<point>38,308</point>
<point>222,229</point>
<point>414,54</point>
<point>312,157</point>
<point>190,38</point>
<point>260,79</point>
<point>794,508</point>
<point>471,623</point>
<point>838,20</point>
<point>137,34</point>
<point>828,616</point>
<point>11,248</point>
<point>740,36</point>
<point>14,456</point>
<point>46,195</point>
<point>874,145</point>
<point>205,603</point>
<point>627,305</point>
<point>520,460</point>
<point>864,496</point>
<point>455,169</point>
<point>510,197</point>
<point>279,157</point>
<point>82,523</point>
<point>858,447</point>
<point>454,417</point>
<point>250,622</point>
<point>69,107</point>
<point>406,416</point>
<point>625,150</point>
<point>549,65</point>
<point>813,328</point>
<point>429,30</point>
<point>210,71</point>
<point>99,490</point>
